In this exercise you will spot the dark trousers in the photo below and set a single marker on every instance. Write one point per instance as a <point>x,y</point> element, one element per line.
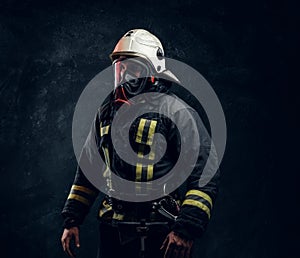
<point>129,245</point>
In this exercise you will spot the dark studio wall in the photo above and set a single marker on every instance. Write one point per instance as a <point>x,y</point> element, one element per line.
<point>49,51</point>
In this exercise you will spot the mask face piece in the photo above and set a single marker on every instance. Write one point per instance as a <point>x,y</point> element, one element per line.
<point>131,73</point>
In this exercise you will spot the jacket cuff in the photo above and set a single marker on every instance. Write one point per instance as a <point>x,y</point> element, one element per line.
<point>182,231</point>
<point>70,222</point>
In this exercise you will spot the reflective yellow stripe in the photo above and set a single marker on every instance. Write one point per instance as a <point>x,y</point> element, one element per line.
<point>107,172</point>
<point>118,216</point>
<point>201,194</point>
<point>141,151</point>
<point>104,130</point>
<point>151,132</point>
<point>106,208</point>
<point>149,172</point>
<point>139,169</point>
<point>198,204</point>
<point>106,156</point>
<point>139,134</point>
<point>83,189</point>
<point>79,198</point>
<point>139,166</point>
<point>138,175</point>
<point>106,205</point>
<point>151,155</point>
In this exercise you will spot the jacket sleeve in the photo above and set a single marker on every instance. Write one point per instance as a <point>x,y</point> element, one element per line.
<point>198,200</point>
<point>82,193</point>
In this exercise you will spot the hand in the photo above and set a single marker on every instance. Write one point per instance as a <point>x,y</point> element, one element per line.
<point>66,238</point>
<point>176,247</point>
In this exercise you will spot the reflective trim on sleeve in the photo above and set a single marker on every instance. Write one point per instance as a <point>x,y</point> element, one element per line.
<point>201,194</point>
<point>83,189</point>
<point>79,198</point>
<point>197,204</point>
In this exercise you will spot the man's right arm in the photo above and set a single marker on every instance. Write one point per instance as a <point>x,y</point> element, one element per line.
<point>79,201</point>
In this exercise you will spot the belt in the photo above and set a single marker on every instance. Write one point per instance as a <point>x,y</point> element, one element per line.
<point>164,210</point>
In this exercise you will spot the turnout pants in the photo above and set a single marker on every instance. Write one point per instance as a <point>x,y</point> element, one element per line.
<point>115,242</point>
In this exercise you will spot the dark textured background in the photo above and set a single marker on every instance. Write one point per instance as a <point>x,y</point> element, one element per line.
<point>50,51</point>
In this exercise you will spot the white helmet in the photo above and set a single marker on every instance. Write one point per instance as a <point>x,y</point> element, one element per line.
<point>141,43</point>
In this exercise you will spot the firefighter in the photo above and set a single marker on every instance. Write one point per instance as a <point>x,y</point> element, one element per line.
<point>138,62</point>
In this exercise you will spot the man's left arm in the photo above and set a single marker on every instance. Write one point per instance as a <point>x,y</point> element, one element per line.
<point>196,208</point>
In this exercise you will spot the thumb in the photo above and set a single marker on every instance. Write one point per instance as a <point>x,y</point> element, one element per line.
<point>164,243</point>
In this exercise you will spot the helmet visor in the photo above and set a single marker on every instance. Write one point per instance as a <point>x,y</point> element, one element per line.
<point>129,70</point>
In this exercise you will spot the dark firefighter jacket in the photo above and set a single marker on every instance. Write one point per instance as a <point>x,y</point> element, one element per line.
<point>195,202</point>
